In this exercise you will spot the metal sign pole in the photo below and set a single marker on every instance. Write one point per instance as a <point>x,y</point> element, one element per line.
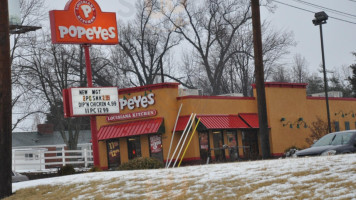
<point>94,137</point>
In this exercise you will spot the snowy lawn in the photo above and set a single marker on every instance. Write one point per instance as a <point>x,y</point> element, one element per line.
<point>332,177</point>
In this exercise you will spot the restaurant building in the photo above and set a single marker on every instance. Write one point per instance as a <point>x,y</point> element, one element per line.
<point>228,129</point>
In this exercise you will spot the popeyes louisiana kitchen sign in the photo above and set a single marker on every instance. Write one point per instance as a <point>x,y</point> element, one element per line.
<point>137,101</point>
<point>83,22</point>
<point>134,115</point>
<point>91,101</point>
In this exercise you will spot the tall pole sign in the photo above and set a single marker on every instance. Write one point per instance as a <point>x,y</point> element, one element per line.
<point>82,22</point>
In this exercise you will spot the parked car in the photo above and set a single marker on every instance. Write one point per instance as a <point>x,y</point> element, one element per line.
<point>16,177</point>
<point>333,143</point>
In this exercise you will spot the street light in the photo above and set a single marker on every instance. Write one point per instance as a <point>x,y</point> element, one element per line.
<point>320,19</point>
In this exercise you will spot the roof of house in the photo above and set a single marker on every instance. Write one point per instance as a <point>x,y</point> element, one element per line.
<point>26,139</point>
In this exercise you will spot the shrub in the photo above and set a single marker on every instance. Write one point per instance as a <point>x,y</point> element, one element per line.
<point>141,163</point>
<point>95,169</point>
<point>66,170</point>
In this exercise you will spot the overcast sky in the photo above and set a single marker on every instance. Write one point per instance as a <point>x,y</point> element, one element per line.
<point>339,36</point>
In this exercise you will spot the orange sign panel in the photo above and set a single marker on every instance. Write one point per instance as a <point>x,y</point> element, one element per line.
<point>83,22</point>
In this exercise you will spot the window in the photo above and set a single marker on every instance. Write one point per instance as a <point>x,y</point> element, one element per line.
<point>341,139</point>
<point>59,149</point>
<point>347,125</point>
<point>325,140</point>
<point>113,150</point>
<point>29,156</point>
<point>337,126</point>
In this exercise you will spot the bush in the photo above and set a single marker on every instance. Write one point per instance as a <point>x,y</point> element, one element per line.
<point>66,170</point>
<point>141,163</point>
<point>95,169</point>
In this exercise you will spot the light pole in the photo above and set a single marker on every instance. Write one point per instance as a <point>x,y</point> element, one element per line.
<point>320,19</point>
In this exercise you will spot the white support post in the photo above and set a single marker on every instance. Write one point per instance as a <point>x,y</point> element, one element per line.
<point>85,158</point>
<point>14,159</point>
<point>63,157</point>
<point>174,131</point>
<point>40,158</point>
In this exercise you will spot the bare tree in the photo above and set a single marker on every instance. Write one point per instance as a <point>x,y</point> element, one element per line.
<point>33,13</point>
<point>299,69</point>
<point>318,129</point>
<point>210,28</point>
<point>146,41</point>
<point>44,71</point>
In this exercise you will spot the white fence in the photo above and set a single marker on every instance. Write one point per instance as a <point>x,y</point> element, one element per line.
<point>42,159</point>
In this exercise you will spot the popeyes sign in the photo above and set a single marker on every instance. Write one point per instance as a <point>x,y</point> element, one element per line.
<point>83,22</point>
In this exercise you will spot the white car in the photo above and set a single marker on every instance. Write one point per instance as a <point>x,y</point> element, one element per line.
<point>16,177</point>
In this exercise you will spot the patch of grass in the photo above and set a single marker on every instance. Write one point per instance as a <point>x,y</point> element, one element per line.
<point>306,173</point>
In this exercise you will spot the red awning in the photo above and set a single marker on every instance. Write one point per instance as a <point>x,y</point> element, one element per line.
<point>222,121</point>
<point>251,119</point>
<point>130,129</point>
<point>182,123</point>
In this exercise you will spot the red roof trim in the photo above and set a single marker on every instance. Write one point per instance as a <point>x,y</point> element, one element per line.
<point>216,97</point>
<point>128,129</point>
<point>283,85</point>
<point>148,87</point>
<point>332,98</point>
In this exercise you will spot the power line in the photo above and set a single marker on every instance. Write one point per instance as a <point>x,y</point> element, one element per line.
<point>296,7</point>
<point>325,8</point>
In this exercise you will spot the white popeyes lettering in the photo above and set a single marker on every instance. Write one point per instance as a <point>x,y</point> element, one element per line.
<point>79,32</point>
<point>86,10</point>
<point>144,102</point>
<point>137,102</point>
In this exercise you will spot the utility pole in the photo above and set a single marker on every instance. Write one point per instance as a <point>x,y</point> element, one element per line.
<point>259,76</point>
<point>5,104</point>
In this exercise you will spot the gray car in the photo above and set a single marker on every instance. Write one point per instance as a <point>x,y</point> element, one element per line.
<point>333,143</point>
<point>16,177</point>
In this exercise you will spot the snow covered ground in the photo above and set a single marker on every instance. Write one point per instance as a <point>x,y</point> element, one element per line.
<point>332,177</point>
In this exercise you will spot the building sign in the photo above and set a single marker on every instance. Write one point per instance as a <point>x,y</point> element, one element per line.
<point>134,115</point>
<point>83,22</point>
<point>137,102</point>
<point>91,101</point>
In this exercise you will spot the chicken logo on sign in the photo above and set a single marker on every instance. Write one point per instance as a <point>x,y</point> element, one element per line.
<point>83,22</point>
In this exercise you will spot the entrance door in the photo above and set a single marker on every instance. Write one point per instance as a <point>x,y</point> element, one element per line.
<point>232,143</point>
<point>204,146</point>
<point>134,147</point>
<point>156,147</point>
<point>218,146</point>
<point>113,149</point>
<point>250,143</point>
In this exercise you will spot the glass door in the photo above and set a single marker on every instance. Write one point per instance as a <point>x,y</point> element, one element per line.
<point>232,143</point>
<point>134,147</point>
<point>218,146</point>
<point>204,146</point>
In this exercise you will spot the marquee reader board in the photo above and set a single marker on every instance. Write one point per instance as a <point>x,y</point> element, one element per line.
<point>90,101</point>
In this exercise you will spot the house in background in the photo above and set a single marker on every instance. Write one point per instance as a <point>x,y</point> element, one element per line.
<point>32,150</point>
